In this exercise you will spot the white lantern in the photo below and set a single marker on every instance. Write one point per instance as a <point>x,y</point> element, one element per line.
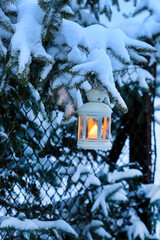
<point>94,122</point>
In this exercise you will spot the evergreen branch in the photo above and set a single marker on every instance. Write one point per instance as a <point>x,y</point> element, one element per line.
<point>5,23</point>
<point>97,227</point>
<point>44,4</point>
<point>29,225</point>
<point>24,49</point>
<point>136,57</point>
<point>116,2</point>
<point>56,5</point>
<point>23,75</point>
<point>3,50</point>
<point>122,59</point>
<point>123,109</point>
<point>8,139</point>
<point>106,193</point>
<point>7,2</point>
<point>45,71</point>
<point>135,2</point>
<point>106,9</point>
<point>148,48</point>
<point>121,104</point>
<point>2,82</point>
<point>139,10</point>
<point>66,12</point>
<point>51,22</point>
<point>42,58</point>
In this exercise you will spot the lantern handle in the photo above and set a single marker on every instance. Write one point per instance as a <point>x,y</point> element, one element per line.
<point>95,95</point>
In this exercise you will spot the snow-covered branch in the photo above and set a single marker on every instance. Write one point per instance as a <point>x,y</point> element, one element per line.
<point>109,192</point>
<point>95,226</point>
<point>35,225</point>
<point>102,47</point>
<point>26,43</point>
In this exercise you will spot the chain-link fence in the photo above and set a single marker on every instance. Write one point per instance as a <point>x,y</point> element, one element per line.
<point>137,127</point>
<point>45,176</point>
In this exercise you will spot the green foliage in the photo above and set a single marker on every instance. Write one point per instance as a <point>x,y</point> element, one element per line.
<point>5,21</point>
<point>39,160</point>
<point>52,19</point>
<point>7,2</point>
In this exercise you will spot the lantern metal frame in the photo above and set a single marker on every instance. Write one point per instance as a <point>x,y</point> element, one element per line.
<point>94,108</point>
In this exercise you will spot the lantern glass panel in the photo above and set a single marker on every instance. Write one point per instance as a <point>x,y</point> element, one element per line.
<point>105,128</point>
<point>91,127</point>
<point>80,127</point>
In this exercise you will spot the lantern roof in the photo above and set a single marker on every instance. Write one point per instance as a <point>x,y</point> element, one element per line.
<point>95,108</point>
<point>95,105</point>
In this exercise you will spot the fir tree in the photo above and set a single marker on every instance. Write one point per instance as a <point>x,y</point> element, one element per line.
<point>51,52</point>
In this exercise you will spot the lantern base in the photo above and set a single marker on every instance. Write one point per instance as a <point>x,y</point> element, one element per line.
<point>94,145</point>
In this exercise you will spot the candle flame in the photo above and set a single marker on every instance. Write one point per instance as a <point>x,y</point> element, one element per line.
<point>93,132</point>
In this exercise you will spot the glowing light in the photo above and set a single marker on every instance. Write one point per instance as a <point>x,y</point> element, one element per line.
<point>94,128</point>
<point>93,132</point>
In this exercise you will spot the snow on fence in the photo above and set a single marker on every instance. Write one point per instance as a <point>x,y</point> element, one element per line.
<point>45,176</point>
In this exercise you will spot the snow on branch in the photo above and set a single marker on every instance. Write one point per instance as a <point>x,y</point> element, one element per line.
<point>134,75</point>
<point>5,23</point>
<point>81,54</point>
<point>145,26</point>
<point>26,42</point>
<point>151,191</point>
<point>95,226</point>
<point>58,224</point>
<point>89,179</point>
<point>54,10</point>
<point>67,12</point>
<point>121,175</point>
<point>7,2</point>
<point>81,169</point>
<point>105,7</point>
<point>97,36</point>
<point>139,46</point>
<point>3,50</point>
<point>99,63</point>
<point>102,46</point>
<point>112,192</point>
<point>152,5</point>
<point>137,229</point>
<point>35,225</point>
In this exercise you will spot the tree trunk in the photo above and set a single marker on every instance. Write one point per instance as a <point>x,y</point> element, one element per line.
<point>140,134</point>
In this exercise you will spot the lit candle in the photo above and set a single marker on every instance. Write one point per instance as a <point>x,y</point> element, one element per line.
<point>93,132</point>
<point>94,129</point>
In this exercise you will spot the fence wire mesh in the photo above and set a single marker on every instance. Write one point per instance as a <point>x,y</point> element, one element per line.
<point>40,162</point>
